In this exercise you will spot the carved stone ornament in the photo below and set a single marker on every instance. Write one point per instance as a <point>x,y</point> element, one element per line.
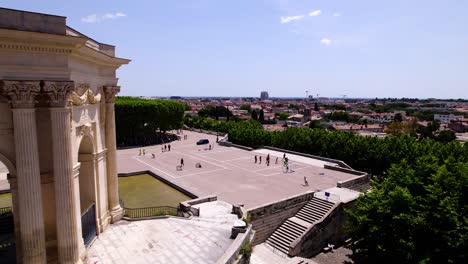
<point>21,94</point>
<point>86,129</point>
<point>110,92</point>
<point>84,95</point>
<point>59,92</point>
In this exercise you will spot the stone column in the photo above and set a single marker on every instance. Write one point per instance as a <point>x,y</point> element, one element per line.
<point>116,211</point>
<point>22,95</point>
<point>65,202</point>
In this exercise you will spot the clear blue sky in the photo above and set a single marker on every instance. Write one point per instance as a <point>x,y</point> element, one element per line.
<point>361,48</point>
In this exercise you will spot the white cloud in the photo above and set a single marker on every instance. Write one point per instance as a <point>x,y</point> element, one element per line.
<point>93,18</point>
<point>315,13</point>
<point>90,19</point>
<point>326,41</point>
<point>288,19</point>
<point>336,14</point>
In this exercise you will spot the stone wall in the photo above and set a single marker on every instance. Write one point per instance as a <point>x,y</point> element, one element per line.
<point>267,218</point>
<point>356,181</point>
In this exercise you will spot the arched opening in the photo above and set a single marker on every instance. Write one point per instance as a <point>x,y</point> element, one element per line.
<point>7,221</point>
<point>87,183</point>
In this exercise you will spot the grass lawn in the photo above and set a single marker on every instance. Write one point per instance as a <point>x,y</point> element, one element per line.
<point>5,200</point>
<point>146,191</point>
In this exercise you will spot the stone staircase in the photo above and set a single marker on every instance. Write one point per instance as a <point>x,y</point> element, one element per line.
<point>295,226</point>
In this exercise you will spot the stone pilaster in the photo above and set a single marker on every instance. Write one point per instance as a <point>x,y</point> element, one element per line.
<point>21,95</point>
<point>67,229</point>
<point>116,211</point>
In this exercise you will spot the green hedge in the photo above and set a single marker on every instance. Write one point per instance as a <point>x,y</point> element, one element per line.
<point>138,121</point>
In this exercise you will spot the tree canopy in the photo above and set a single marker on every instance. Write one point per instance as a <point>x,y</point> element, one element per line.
<point>138,120</point>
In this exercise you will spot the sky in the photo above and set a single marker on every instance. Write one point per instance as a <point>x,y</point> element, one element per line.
<point>290,48</point>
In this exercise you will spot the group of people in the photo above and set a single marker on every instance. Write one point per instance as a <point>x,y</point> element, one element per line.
<point>166,148</point>
<point>267,160</point>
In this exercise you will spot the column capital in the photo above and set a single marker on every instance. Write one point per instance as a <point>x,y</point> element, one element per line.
<point>110,92</point>
<point>21,94</point>
<point>59,92</point>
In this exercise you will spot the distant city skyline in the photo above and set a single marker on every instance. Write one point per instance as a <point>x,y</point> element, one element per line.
<point>359,48</point>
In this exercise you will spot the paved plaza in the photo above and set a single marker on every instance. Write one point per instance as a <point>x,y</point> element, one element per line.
<point>200,240</point>
<point>230,172</point>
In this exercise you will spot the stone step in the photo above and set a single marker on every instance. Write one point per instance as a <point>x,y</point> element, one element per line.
<point>311,210</point>
<point>289,232</point>
<point>278,246</point>
<point>318,206</point>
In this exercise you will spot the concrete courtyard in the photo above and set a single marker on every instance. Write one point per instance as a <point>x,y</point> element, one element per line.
<point>229,172</point>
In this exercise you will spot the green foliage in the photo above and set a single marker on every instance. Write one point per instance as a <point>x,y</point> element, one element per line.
<point>261,116</point>
<point>245,107</point>
<point>370,154</point>
<point>315,124</point>
<point>446,136</point>
<point>282,115</point>
<point>417,214</point>
<point>339,116</point>
<point>254,115</point>
<point>137,120</point>
<point>214,112</point>
<point>246,249</point>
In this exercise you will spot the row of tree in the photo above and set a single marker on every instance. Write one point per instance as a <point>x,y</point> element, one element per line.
<point>144,121</point>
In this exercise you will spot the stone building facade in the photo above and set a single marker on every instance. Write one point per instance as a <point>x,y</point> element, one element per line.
<point>57,134</point>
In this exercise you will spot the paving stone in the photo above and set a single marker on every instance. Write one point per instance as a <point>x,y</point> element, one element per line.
<point>171,240</point>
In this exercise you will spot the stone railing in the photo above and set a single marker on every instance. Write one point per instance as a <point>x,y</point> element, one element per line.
<point>338,162</point>
<point>350,183</point>
<point>230,255</point>
<point>186,206</point>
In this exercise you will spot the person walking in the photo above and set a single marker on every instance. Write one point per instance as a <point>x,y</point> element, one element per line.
<point>306,183</point>
<point>182,162</point>
<point>255,158</point>
<point>209,147</point>
<point>276,161</point>
<point>144,153</point>
<point>169,147</point>
<point>139,152</point>
<point>153,155</point>
<point>165,147</point>
<point>268,159</point>
<point>260,160</point>
<point>284,155</point>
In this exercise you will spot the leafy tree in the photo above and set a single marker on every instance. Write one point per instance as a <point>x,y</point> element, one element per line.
<point>446,136</point>
<point>418,214</point>
<point>138,120</point>
<point>315,124</point>
<point>261,116</point>
<point>214,112</point>
<point>398,117</point>
<point>395,128</point>
<point>316,107</point>
<point>282,115</point>
<point>245,107</point>
<point>254,115</point>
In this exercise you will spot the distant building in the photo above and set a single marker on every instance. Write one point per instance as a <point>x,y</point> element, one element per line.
<point>264,95</point>
<point>445,119</point>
